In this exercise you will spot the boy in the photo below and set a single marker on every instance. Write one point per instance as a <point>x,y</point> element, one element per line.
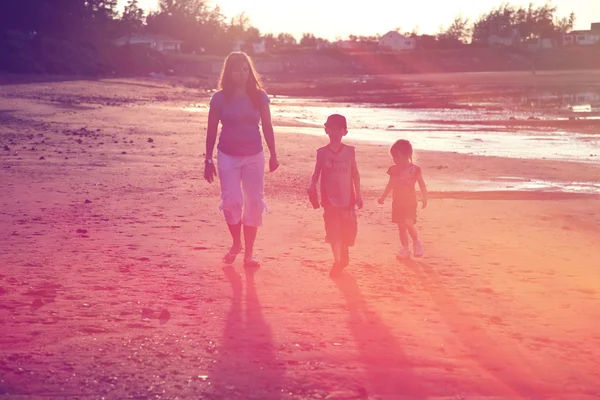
<point>340,191</point>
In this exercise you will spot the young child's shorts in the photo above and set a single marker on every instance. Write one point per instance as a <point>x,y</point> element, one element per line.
<point>404,211</point>
<point>340,225</point>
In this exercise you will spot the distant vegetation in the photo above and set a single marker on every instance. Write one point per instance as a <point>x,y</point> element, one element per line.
<point>77,36</point>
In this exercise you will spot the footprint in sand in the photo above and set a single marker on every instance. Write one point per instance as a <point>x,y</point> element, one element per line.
<point>163,317</point>
<point>36,305</point>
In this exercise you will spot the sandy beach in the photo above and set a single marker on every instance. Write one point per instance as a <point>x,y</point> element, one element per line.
<point>112,286</point>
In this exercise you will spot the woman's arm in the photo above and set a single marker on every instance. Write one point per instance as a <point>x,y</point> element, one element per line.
<point>211,138</point>
<point>267,127</point>
<point>211,131</point>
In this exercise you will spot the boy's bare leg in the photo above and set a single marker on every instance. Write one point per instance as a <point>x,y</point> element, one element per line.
<point>336,249</point>
<point>344,255</point>
<point>336,268</point>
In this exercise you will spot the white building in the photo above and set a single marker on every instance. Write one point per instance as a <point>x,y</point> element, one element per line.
<point>496,40</point>
<point>257,47</point>
<point>345,44</point>
<point>581,38</point>
<point>539,43</point>
<point>323,45</point>
<point>395,41</point>
<point>156,42</point>
<point>510,37</point>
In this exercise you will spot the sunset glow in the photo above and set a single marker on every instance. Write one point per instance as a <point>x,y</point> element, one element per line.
<point>336,19</point>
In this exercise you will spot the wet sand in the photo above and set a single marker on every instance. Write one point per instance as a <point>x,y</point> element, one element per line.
<point>111,283</point>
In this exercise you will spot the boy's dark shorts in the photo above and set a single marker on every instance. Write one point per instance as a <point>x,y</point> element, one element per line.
<point>340,225</point>
<point>404,211</point>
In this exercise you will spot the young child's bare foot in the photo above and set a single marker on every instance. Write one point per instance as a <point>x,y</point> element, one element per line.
<point>418,249</point>
<point>403,254</point>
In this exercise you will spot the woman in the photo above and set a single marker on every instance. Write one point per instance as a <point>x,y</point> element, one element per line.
<point>240,105</point>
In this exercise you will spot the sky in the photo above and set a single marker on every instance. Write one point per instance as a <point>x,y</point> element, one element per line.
<point>337,19</point>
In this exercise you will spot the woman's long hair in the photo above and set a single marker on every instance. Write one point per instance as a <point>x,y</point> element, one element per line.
<point>253,86</point>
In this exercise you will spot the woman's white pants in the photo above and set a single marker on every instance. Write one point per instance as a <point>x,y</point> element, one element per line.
<point>242,188</point>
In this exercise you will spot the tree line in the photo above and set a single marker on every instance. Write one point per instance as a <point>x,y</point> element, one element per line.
<point>204,28</point>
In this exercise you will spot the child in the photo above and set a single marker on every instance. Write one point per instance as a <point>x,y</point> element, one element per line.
<point>340,191</point>
<point>403,176</point>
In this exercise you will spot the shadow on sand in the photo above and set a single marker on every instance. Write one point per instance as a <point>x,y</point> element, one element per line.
<point>388,368</point>
<point>246,365</point>
<point>514,377</point>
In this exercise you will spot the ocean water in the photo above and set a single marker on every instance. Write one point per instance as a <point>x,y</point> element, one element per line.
<point>424,128</point>
<point>425,131</point>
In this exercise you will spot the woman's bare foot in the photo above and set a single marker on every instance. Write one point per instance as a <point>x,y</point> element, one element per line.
<point>251,262</point>
<point>232,253</point>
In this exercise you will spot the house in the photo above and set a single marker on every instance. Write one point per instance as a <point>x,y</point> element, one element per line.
<point>259,48</point>
<point>323,45</point>
<point>496,40</point>
<point>269,66</point>
<point>351,46</point>
<point>539,43</point>
<point>395,41</point>
<point>262,66</point>
<point>161,43</point>
<point>583,38</point>
<point>508,38</point>
<point>253,47</point>
<point>345,44</point>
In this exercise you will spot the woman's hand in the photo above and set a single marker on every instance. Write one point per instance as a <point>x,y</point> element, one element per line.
<point>210,172</point>
<point>273,163</point>
<point>381,200</point>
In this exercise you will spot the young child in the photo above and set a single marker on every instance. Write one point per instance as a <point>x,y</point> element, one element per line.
<point>403,176</point>
<point>340,191</point>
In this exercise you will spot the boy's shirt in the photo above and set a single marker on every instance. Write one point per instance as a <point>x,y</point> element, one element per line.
<point>403,182</point>
<point>336,176</point>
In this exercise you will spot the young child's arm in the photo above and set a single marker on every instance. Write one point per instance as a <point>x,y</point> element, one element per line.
<point>423,188</point>
<point>313,196</point>
<point>356,182</point>
<point>316,175</point>
<point>386,192</point>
